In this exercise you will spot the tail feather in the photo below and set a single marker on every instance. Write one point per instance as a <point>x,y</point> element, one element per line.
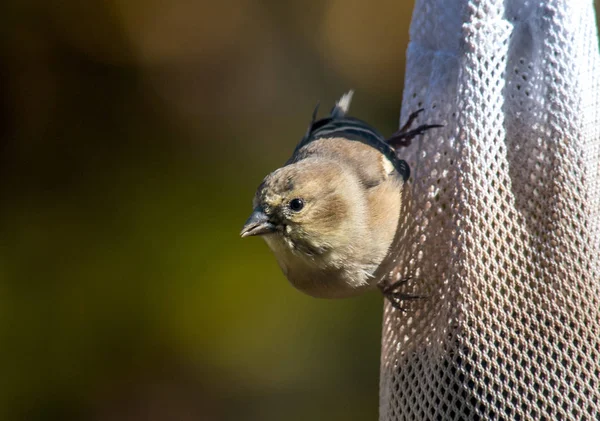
<point>342,106</point>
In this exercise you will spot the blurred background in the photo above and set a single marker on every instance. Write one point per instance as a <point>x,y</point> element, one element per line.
<point>132,137</point>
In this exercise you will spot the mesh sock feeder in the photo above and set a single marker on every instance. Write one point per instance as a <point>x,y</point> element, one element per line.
<point>504,230</point>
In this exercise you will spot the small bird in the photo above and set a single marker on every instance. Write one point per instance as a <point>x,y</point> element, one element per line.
<point>331,212</point>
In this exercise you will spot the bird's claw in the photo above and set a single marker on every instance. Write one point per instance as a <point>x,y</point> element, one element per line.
<point>390,291</point>
<point>404,136</point>
<point>411,118</point>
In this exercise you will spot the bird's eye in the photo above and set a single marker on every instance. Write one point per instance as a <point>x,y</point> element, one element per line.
<point>296,204</point>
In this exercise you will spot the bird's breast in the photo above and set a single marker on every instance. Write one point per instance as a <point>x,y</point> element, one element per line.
<point>321,276</point>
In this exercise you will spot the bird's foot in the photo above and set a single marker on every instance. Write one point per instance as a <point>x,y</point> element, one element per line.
<point>395,297</point>
<point>403,137</point>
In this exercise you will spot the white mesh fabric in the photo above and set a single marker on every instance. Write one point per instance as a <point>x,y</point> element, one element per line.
<point>504,228</point>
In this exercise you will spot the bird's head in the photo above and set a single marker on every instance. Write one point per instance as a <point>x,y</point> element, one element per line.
<point>307,208</point>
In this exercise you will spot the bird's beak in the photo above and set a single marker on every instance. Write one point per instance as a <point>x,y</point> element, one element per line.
<point>257,224</point>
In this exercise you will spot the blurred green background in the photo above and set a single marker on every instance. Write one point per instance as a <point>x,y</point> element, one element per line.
<point>133,135</point>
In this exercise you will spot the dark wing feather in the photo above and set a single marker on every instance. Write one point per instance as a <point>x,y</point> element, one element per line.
<point>339,125</point>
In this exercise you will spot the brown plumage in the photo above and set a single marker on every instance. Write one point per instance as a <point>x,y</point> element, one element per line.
<point>330,214</point>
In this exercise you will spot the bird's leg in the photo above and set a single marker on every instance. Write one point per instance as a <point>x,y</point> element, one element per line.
<point>390,291</point>
<point>411,120</point>
<point>404,136</point>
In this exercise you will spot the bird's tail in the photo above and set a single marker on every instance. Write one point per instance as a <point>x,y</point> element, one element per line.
<point>342,106</point>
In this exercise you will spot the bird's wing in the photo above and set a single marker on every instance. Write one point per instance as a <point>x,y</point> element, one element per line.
<point>340,126</point>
